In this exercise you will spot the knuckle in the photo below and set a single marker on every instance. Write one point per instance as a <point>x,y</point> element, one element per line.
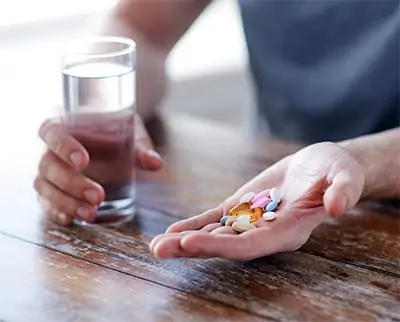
<point>57,175</point>
<point>44,162</point>
<point>49,193</point>
<point>37,183</point>
<point>73,184</point>
<point>48,128</point>
<point>43,127</point>
<point>51,213</point>
<point>64,204</point>
<point>63,145</point>
<point>64,219</point>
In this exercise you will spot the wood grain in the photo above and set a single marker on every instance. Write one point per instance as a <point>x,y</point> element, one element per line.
<point>295,286</point>
<point>38,284</point>
<point>347,271</point>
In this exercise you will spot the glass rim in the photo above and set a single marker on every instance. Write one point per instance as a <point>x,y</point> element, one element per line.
<point>68,48</point>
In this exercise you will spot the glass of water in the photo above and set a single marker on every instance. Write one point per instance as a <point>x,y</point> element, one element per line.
<point>99,80</point>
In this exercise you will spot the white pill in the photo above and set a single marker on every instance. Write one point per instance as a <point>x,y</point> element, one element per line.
<point>230,221</point>
<point>275,195</point>
<point>244,219</point>
<point>269,215</point>
<point>247,197</point>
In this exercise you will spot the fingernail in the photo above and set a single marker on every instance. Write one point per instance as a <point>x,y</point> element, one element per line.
<point>153,154</point>
<point>84,213</point>
<point>91,196</point>
<point>62,218</point>
<point>76,158</point>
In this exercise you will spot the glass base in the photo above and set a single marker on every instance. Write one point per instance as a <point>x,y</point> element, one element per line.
<point>112,213</point>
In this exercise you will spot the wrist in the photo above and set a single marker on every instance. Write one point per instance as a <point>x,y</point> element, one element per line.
<point>354,149</point>
<point>379,156</point>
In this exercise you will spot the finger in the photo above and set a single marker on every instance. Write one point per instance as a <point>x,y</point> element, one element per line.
<point>157,238</point>
<point>246,246</point>
<point>61,218</point>
<point>344,192</point>
<point>169,246</point>
<point>54,215</point>
<point>196,222</point>
<point>224,230</point>
<point>210,227</point>
<point>69,181</point>
<point>147,158</point>
<point>215,245</point>
<point>67,148</point>
<point>62,202</point>
<point>50,213</point>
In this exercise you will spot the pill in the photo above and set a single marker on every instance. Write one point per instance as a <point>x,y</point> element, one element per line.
<point>230,221</point>
<point>275,195</point>
<point>262,194</point>
<point>260,203</point>
<point>241,227</point>
<point>223,220</point>
<point>238,208</point>
<point>256,215</point>
<point>269,215</point>
<point>271,206</point>
<point>245,219</point>
<point>247,197</point>
<point>257,212</point>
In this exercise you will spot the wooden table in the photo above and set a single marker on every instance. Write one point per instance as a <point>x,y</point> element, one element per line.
<point>348,271</point>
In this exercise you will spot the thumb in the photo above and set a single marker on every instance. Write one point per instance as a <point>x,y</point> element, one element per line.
<point>345,190</point>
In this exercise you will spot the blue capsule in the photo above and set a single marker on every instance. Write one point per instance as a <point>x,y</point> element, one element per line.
<point>223,220</point>
<point>271,206</point>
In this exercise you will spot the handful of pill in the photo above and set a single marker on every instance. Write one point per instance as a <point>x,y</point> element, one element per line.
<point>251,208</point>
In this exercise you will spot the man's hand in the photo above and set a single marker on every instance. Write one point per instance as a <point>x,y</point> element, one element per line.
<point>320,180</point>
<point>63,190</point>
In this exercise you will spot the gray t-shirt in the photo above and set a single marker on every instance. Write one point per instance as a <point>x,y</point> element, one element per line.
<point>324,70</point>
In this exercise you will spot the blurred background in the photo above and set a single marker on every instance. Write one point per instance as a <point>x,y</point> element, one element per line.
<point>208,67</point>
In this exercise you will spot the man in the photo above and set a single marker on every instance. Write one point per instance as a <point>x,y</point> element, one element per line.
<point>324,71</point>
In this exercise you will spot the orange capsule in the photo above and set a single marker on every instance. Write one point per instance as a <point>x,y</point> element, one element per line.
<point>256,215</point>
<point>239,208</point>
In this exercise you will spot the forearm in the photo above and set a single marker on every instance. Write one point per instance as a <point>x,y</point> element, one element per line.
<point>155,26</point>
<point>379,154</point>
<point>161,22</point>
<point>151,80</point>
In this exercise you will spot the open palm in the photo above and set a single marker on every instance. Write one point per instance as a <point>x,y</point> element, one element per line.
<point>318,181</point>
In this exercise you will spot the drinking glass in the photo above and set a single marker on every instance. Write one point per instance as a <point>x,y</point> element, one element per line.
<point>99,80</point>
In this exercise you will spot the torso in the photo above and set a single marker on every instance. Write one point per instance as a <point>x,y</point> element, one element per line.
<point>324,70</point>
